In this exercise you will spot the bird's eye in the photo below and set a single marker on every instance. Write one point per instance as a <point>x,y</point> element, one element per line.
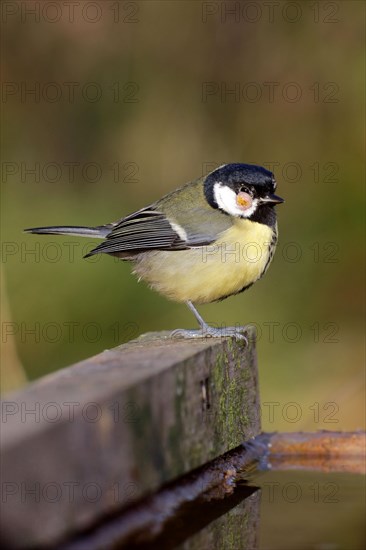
<point>244,189</point>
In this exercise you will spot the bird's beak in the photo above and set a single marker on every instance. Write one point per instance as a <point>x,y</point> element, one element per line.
<point>275,199</point>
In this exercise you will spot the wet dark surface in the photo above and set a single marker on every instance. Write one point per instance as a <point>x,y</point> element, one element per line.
<point>202,523</point>
<point>294,510</point>
<point>275,510</point>
<point>311,495</point>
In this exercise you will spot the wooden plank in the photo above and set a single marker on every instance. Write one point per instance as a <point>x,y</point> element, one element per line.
<point>80,443</point>
<point>324,451</point>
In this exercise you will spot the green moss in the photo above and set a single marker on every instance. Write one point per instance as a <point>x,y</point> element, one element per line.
<point>230,377</point>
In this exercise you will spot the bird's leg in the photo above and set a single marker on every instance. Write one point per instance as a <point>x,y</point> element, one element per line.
<point>206,331</point>
<point>204,326</point>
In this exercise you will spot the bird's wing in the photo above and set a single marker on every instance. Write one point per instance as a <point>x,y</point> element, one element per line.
<point>179,221</point>
<point>148,229</point>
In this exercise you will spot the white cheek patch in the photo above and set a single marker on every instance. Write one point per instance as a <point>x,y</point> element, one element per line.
<point>226,199</point>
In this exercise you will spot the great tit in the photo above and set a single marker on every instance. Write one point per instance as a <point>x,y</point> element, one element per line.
<point>210,239</point>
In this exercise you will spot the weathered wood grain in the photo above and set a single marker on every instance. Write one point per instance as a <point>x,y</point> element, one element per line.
<point>324,451</point>
<point>85,441</point>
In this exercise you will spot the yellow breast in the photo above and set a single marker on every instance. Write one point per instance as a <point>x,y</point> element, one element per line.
<point>205,274</point>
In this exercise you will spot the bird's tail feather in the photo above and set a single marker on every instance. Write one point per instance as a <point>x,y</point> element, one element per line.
<point>97,232</point>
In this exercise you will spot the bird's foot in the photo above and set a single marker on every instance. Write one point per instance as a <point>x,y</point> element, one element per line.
<point>211,332</point>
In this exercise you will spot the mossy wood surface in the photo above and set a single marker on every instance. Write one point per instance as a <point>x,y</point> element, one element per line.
<point>91,438</point>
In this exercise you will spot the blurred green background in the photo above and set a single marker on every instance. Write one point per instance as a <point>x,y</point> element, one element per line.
<point>132,99</point>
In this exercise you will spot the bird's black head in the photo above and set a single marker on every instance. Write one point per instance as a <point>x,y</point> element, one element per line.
<point>243,190</point>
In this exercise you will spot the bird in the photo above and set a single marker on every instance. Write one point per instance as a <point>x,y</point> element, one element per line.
<point>210,239</point>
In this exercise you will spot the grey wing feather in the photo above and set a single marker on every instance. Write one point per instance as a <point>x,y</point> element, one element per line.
<point>144,230</point>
